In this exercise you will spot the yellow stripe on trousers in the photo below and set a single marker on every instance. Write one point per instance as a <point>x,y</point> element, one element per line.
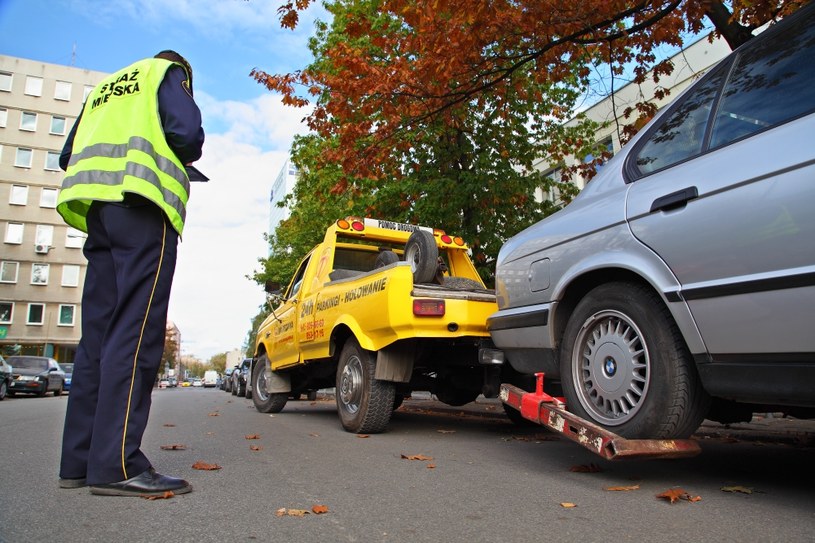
<point>138,347</point>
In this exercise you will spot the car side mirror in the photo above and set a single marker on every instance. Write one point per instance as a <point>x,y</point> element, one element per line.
<point>272,287</point>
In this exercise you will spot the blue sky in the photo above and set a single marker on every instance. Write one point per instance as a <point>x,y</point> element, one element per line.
<point>249,132</point>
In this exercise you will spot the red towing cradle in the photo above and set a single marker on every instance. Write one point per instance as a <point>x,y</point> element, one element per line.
<point>549,411</point>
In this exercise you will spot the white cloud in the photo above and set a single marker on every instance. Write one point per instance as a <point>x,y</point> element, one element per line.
<point>212,301</point>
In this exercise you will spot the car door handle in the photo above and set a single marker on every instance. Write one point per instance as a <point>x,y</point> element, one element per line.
<point>675,200</point>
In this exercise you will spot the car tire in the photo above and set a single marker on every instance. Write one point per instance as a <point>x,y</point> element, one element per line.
<point>266,402</point>
<point>58,392</point>
<point>625,366</point>
<point>423,254</point>
<point>364,404</point>
<point>241,390</point>
<point>3,390</point>
<point>385,258</point>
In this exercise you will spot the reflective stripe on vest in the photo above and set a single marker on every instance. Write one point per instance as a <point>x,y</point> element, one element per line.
<point>140,171</point>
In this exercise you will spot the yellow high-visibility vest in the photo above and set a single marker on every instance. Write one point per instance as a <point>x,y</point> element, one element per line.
<point>120,147</point>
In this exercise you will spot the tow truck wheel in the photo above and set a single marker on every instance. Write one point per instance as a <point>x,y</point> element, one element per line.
<point>265,402</point>
<point>625,366</point>
<point>364,403</point>
<point>423,254</point>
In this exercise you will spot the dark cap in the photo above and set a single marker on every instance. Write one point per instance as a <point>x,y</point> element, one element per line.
<point>169,54</point>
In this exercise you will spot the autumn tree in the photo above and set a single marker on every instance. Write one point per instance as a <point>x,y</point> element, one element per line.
<point>218,362</point>
<point>408,62</point>
<point>169,357</point>
<point>471,172</point>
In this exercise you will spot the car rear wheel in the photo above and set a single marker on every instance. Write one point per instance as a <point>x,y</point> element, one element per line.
<point>624,365</point>
<point>365,404</point>
<point>266,402</point>
<point>3,390</point>
<point>58,392</point>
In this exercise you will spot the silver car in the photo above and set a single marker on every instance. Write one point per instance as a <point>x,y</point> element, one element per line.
<point>680,283</point>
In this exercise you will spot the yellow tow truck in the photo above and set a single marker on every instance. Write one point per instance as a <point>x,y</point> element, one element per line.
<point>378,310</point>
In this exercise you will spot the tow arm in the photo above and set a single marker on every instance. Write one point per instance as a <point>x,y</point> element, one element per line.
<point>550,411</point>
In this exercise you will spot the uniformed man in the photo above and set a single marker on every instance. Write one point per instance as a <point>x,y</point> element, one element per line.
<point>126,185</point>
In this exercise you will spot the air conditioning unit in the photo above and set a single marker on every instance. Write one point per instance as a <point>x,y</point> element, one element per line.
<point>41,249</point>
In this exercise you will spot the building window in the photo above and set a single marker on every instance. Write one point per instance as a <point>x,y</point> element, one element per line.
<point>33,85</point>
<point>6,312</point>
<point>51,161</point>
<point>62,91</point>
<point>8,271</point>
<point>66,315</point>
<point>3,117</point>
<point>14,233</point>
<point>23,157</point>
<point>45,235</point>
<point>74,239</point>
<point>39,273</point>
<point>19,195</point>
<point>57,125</point>
<point>36,314</point>
<point>28,121</point>
<point>70,275</point>
<point>5,81</point>
<point>48,197</point>
<point>86,91</point>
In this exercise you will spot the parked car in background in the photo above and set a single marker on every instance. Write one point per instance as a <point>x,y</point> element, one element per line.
<point>35,375</point>
<point>68,368</point>
<point>164,383</point>
<point>197,382</point>
<point>210,378</point>
<point>680,283</point>
<point>5,378</point>
<point>173,382</point>
<point>240,376</point>
<point>226,382</point>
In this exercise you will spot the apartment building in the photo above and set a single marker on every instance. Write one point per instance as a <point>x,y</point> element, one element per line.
<point>42,268</point>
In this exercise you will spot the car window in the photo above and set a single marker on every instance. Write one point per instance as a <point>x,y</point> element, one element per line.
<point>770,83</point>
<point>682,133</point>
<point>29,363</point>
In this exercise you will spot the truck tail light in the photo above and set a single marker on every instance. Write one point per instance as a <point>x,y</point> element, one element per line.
<point>428,308</point>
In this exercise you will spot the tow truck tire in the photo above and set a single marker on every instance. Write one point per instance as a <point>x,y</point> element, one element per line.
<point>265,402</point>
<point>364,404</point>
<point>423,254</point>
<point>625,365</point>
<point>385,258</point>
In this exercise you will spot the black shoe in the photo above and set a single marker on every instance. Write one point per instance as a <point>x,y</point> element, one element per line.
<point>72,483</point>
<point>148,483</point>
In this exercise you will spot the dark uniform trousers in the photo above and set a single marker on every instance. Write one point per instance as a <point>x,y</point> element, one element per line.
<point>131,251</point>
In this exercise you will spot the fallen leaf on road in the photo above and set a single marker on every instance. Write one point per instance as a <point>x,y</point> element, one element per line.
<point>675,494</point>
<point>362,436</point>
<point>173,447</point>
<point>583,468</point>
<point>255,448</point>
<point>251,436</point>
<point>416,457</point>
<point>214,414</point>
<point>319,509</point>
<point>314,435</point>
<point>283,512</point>
<point>169,425</point>
<point>205,466</point>
<point>623,488</point>
<point>431,466</point>
<point>166,496</point>
<point>568,505</point>
<point>742,489</point>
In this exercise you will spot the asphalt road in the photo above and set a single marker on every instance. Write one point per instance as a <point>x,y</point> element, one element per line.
<point>487,480</point>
